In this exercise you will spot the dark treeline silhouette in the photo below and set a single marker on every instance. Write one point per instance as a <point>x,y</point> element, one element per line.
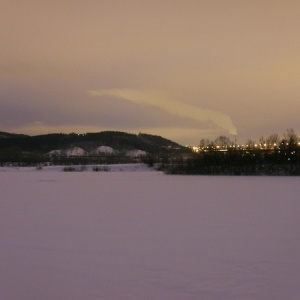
<point>273,155</point>
<point>237,162</point>
<point>25,150</point>
<point>270,156</point>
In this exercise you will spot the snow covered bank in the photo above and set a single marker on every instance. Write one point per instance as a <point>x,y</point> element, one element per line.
<point>139,167</point>
<point>135,235</point>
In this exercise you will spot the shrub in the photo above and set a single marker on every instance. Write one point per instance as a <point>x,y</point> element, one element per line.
<point>69,169</point>
<point>100,169</point>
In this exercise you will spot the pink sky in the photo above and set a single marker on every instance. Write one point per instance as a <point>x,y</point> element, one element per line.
<point>182,69</point>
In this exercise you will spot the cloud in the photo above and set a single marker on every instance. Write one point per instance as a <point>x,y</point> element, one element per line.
<point>172,106</point>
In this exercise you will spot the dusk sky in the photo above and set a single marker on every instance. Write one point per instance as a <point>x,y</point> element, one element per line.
<point>185,70</point>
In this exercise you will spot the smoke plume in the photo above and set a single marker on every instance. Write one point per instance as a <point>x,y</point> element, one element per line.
<point>162,101</point>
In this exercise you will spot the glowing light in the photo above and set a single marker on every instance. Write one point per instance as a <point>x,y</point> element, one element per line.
<point>195,149</point>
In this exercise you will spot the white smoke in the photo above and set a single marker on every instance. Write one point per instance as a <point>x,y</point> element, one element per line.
<point>174,107</point>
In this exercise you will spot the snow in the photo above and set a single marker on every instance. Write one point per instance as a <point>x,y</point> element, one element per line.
<point>76,151</point>
<point>105,149</point>
<point>136,153</point>
<point>146,235</point>
<point>55,152</point>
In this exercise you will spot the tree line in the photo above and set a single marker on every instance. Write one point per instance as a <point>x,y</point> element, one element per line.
<point>289,140</point>
<point>267,156</point>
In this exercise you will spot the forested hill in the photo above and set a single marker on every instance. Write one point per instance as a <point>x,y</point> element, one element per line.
<point>120,141</point>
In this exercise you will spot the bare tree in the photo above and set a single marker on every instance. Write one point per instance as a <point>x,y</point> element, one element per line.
<point>291,137</point>
<point>223,141</point>
<point>250,144</point>
<point>273,140</point>
<point>262,141</point>
<point>204,143</point>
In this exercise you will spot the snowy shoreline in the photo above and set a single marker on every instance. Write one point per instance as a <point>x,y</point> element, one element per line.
<point>138,167</point>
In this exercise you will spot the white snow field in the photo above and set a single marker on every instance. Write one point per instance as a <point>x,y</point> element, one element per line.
<point>146,235</point>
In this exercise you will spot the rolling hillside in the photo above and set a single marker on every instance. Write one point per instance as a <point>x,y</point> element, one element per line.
<point>14,147</point>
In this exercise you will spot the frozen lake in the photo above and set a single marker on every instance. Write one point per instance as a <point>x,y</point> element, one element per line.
<point>145,235</point>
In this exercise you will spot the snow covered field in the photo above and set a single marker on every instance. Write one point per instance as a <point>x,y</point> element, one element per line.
<point>145,235</point>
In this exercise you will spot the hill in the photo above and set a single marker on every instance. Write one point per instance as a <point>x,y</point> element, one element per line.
<point>19,147</point>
